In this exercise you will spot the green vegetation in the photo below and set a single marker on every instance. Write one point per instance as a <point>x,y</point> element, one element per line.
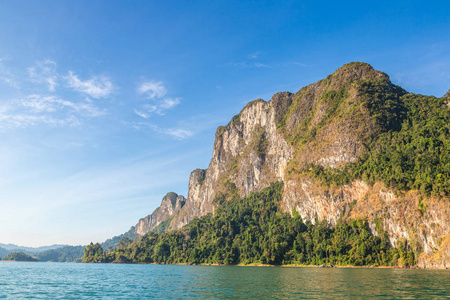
<point>254,230</point>
<point>410,143</point>
<point>333,99</point>
<point>384,102</point>
<point>19,256</point>
<point>418,155</point>
<point>111,243</point>
<point>163,226</point>
<point>93,253</point>
<point>63,254</point>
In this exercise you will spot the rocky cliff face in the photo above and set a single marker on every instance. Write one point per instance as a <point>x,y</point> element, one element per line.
<point>327,123</point>
<point>393,212</point>
<point>170,204</point>
<point>249,153</point>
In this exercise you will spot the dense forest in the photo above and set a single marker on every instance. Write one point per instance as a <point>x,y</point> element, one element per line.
<point>412,151</point>
<point>253,230</point>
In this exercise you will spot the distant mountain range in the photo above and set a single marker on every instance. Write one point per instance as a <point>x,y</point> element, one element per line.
<point>61,252</point>
<point>13,247</point>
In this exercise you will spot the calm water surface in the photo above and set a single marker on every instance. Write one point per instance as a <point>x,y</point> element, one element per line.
<point>27,280</point>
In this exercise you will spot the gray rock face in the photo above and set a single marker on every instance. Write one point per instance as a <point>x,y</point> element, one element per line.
<point>397,215</point>
<point>170,204</point>
<point>249,153</point>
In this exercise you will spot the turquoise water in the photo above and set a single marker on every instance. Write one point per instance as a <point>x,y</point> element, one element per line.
<point>27,280</point>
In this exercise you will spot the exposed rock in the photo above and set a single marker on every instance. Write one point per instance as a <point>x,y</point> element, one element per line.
<point>170,204</point>
<point>325,123</point>
<point>249,153</point>
<point>439,258</point>
<point>399,216</point>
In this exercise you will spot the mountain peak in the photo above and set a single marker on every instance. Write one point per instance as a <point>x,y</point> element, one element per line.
<point>172,197</point>
<point>358,71</point>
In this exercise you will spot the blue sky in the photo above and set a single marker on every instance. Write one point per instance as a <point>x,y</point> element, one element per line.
<point>105,106</point>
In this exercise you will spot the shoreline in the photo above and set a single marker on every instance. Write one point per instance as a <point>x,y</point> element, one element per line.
<point>284,266</point>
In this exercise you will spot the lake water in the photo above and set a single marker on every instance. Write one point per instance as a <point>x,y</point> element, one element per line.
<point>19,280</point>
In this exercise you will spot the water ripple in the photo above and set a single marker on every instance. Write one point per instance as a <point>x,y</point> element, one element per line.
<point>20,280</point>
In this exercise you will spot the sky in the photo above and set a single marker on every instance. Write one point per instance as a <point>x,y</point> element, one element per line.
<point>105,106</point>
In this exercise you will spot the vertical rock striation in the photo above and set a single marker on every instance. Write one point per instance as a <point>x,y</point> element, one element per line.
<point>249,153</point>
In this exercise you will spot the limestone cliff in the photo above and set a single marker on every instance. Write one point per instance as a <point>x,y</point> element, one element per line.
<point>330,124</point>
<point>249,153</point>
<point>170,204</point>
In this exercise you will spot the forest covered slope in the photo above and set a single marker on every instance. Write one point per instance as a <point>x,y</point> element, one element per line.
<point>352,147</point>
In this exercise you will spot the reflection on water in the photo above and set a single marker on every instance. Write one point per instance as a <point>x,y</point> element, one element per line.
<point>100,281</point>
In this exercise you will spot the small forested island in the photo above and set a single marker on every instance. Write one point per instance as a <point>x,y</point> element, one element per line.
<point>350,170</point>
<point>19,256</point>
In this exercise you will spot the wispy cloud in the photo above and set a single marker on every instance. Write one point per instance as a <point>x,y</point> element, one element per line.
<point>154,91</point>
<point>96,87</point>
<point>253,61</point>
<point>23,120</point>
<point>141,114</point>
<point>6,76</point>
<point>44,72</point>
<point>35,110</point>
<point>38,104</point>
<point>254,55</point>
<point>177,133</point>
<point>247,65</point>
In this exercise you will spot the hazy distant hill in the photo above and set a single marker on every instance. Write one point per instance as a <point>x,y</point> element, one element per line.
<point>29,250</point>
<point>3,252</point>
<point>54,253</point>
<point>62,254</point>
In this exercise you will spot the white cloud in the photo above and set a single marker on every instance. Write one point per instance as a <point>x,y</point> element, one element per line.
<point>254,55</point>
<point>159,107</point>
<point>44,72</point>
<point>141,114</point>
<point>38,104</point>
<point>155,92</point>
<point>23,120</point>
<point>45,110</point>
<point>6,76</point>
<point>96,87</point>
<point>168,103</point>
<point>248,65</point>
<point>177,133</point>
<point>152,89</point>
<point>149,108</point>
